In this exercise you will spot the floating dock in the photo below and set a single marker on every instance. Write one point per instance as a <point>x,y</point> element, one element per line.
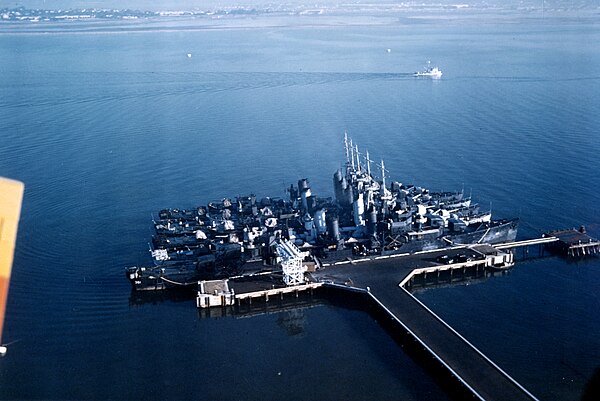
<point>385,281</point>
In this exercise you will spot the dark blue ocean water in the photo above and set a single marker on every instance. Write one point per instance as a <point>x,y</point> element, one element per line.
<point>105,129</point>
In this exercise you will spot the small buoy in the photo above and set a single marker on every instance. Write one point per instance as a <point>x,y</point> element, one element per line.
<point>3,350</point>
<point>189,55</point>
<point>389,50</point>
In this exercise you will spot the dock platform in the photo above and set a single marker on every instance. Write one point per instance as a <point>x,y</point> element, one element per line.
<point>574,243</point>
<point>571,243</point>
<point>229,292</point>
<point>384,281</point>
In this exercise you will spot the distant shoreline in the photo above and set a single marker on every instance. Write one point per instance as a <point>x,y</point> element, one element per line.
<point>279,21</point>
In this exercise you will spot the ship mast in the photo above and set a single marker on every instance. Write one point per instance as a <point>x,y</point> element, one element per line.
<point>352,153</point>
<point>346,146</point>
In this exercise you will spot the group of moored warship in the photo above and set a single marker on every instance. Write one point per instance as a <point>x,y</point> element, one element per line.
<point>367,217</point>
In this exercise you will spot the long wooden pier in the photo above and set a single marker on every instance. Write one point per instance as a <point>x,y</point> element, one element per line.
<point>386,281</point>
<point>383,281</point>
<point>571,242</point>
<point>527,242</point>
<point>476,372</point>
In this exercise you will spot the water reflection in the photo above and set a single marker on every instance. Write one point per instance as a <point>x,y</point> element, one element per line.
<point>293,322</point>
<point>446,279</point>
<point>139,298</point>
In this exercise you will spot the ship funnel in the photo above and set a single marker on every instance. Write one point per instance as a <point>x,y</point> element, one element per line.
<point>372,218</point>
<point>320,221</point>
<point>303,184</point>
<point>338,187</point>
<point>293,193</point>
<point>305,194</point>
<point>334,228</point>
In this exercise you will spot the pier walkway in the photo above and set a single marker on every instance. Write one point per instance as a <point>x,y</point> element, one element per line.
<point>380,279</point>
<point>386,281</point>
<point>571,242</point>
<point>528,242</point>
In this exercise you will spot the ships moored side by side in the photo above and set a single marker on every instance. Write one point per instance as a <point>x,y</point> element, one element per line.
<point>368,216</point>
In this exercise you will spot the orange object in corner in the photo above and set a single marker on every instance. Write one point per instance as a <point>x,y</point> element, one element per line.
<point>11,196</point>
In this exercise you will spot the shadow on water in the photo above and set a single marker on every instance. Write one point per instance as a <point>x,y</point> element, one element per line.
<point>362,302</point>
<point>592,388</point>
<point>274,306</point>
<point>447,279</point>
<point>290,313</point>
<point>139,298</point>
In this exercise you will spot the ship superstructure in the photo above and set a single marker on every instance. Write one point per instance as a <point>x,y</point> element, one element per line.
<point>403,216</point>
<point>367,216</point>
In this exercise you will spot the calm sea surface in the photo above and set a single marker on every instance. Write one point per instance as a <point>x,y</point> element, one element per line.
<point>105,129</point>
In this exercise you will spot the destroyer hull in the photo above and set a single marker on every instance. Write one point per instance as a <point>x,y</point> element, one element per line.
<point>501,231</point>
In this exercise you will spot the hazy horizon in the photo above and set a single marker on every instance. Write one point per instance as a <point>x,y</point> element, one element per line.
<point>209,4</point>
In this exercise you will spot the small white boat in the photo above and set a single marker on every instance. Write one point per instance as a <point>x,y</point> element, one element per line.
<point>429,71</point>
